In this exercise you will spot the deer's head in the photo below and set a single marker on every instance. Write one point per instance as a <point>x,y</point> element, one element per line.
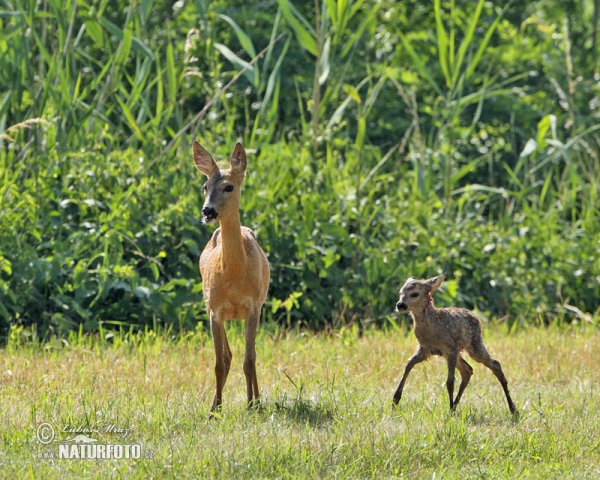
<point>222,190</point>
<point>416,294</point>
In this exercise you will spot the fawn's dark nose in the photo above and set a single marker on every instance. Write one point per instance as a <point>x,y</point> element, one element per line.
<point>401,306</point>
<point>209,212</point>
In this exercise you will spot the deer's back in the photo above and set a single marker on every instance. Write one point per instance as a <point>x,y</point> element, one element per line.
<point>233,287</point>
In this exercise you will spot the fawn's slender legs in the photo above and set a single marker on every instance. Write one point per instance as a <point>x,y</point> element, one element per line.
<point>451,359</point>
<point>418,357</point>
<point>465,374</point>
<point>481,355</point>
<point>223,358</point>
<point>250,328</point>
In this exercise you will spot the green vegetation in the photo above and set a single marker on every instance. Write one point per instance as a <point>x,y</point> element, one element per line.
<point>386,140</point>
<point>326,413</point>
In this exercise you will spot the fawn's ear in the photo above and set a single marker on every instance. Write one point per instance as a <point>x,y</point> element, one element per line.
<point>238,160</point>
<point>410,280</point>
<point>204,162</point>
<point>434,283</point>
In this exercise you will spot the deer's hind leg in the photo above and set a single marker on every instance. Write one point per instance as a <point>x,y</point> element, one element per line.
<point>452,360</point>
<point>480,354</point>
<point>466,371</point>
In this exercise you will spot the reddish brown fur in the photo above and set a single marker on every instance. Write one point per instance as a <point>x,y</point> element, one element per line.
<point>445,332</point>
<point>234,269</point>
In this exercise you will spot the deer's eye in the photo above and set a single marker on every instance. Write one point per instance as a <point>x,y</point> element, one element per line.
<point>414,295</point>
<point>229,188</point>
<point>205,188</point>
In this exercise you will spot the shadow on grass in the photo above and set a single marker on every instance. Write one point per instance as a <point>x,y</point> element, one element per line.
<point>303,411</point>
<point>487,419</point>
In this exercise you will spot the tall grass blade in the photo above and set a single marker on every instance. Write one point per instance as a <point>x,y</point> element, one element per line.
<point>442,42</point>
<point>462,50</point>
<point>273,77</point>
<point>244,39</point>
<point>419,64</point>
<point>243,64</point>
<point>305,38</point>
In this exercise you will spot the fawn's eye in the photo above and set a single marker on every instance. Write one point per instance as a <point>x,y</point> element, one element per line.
<point>205,188</point>
<point>414,295</point>
<point>229,188</point>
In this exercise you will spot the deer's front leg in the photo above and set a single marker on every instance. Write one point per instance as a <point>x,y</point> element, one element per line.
<point>250,329</point>
<point>418,357</point>
<point>221,362</point>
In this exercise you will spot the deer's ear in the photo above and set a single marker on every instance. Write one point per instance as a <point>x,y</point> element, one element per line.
<point>434,283</point>
<point>204,162</point>
<point>410,280</point>
<point>238,160</point>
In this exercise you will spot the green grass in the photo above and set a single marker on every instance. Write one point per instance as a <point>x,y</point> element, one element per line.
<point>326,408</point>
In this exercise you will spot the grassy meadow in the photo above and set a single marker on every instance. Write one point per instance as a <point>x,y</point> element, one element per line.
<point>326,407</point>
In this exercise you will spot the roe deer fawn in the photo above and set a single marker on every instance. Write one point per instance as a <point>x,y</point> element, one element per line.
<point>445,332</point>
<point>233,267</point>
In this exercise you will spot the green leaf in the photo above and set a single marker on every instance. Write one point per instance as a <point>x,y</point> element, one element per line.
<point>352,92</point>
<point>466,42</point>
<point>442,42</point>
<point>483,45</point>
<point>305,38</point>
<point>130,119</point>
<point>244,39</point>
<point>95,32</point>
<point>125,48</point>
<point>273,77</point>
<point>171,75</point>
<point>137,44</point>
<point>419,64</point>
<point>233,58</point>
<point>359,31</point>
<point>159,93</point>
<point>324,66</point>
<point>360,135</point>
<point>543,127</point>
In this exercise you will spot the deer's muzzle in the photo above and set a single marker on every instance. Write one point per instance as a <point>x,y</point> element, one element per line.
<point>209,213</point>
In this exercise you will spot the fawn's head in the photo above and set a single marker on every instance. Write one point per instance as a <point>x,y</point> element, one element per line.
<point>222,190</point>
<point>416,294</point>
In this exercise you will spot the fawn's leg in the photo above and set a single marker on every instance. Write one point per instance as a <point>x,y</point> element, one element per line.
<point>481,355</point>
<point>418,357</point>
<point>222,359</point>
<point>452,358</point>
<point>250,329</point>
<point>465,374</point>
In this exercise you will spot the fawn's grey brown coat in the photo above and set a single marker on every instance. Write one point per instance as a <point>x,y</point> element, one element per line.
<point>445,332</point>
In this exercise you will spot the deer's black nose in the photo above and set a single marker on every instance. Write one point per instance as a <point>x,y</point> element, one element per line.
<point>401,306</point>
<point>209,212</point>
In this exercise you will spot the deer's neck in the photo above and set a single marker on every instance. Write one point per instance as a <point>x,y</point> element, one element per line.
<point>425,313</point>
<point>232,242</point>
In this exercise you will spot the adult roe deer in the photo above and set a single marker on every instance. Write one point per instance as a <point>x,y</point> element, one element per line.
<point>233,267</point>
<point>445,332</point>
